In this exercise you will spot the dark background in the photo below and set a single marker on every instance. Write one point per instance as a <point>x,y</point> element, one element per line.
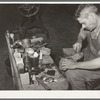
<point>59,21</point>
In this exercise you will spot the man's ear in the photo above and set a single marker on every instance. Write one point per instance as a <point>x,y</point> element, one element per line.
<point>91,16</point>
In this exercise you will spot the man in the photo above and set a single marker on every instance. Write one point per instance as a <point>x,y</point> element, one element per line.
<point>79,72</point>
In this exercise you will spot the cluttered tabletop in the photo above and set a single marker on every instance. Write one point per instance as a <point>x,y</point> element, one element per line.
<point>32,66</point>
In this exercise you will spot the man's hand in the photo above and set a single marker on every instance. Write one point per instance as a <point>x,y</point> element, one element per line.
<point>65,64</point>
<point>77,47</point>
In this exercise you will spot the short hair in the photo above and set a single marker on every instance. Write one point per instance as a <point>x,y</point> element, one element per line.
<point>92,8</point>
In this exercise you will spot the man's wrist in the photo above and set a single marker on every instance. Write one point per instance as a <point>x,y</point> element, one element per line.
<point>74,66</point>
<point>79,41</point>
<point>78,65</point>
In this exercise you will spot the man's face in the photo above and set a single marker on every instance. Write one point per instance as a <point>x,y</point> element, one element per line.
<point>88,21</point>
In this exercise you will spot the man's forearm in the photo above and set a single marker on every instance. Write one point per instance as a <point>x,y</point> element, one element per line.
<point>79,39</point>
<point>81,36</point>
<point>93,64</point>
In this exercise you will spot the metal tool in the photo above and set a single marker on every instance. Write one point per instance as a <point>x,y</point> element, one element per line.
<point>43,84</point>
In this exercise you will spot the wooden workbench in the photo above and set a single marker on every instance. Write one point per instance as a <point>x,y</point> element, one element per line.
<point>18,80</point>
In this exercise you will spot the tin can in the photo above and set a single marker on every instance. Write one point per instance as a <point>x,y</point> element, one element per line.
<point>27,63</point>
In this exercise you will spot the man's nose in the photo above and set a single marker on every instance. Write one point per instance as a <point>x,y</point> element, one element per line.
<point>83,26</point>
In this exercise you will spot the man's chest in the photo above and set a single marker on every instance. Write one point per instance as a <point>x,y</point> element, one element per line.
<point>94,45</point>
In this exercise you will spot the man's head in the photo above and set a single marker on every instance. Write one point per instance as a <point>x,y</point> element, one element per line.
<point>87,15</point>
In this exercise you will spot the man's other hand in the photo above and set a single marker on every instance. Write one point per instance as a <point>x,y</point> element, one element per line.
<point>77,47</point>
<point>65,64</point>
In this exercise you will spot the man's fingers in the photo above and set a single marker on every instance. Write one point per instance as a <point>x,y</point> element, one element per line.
<point>77,47</point>
<point>74,46</point>
<point>63,68</point>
